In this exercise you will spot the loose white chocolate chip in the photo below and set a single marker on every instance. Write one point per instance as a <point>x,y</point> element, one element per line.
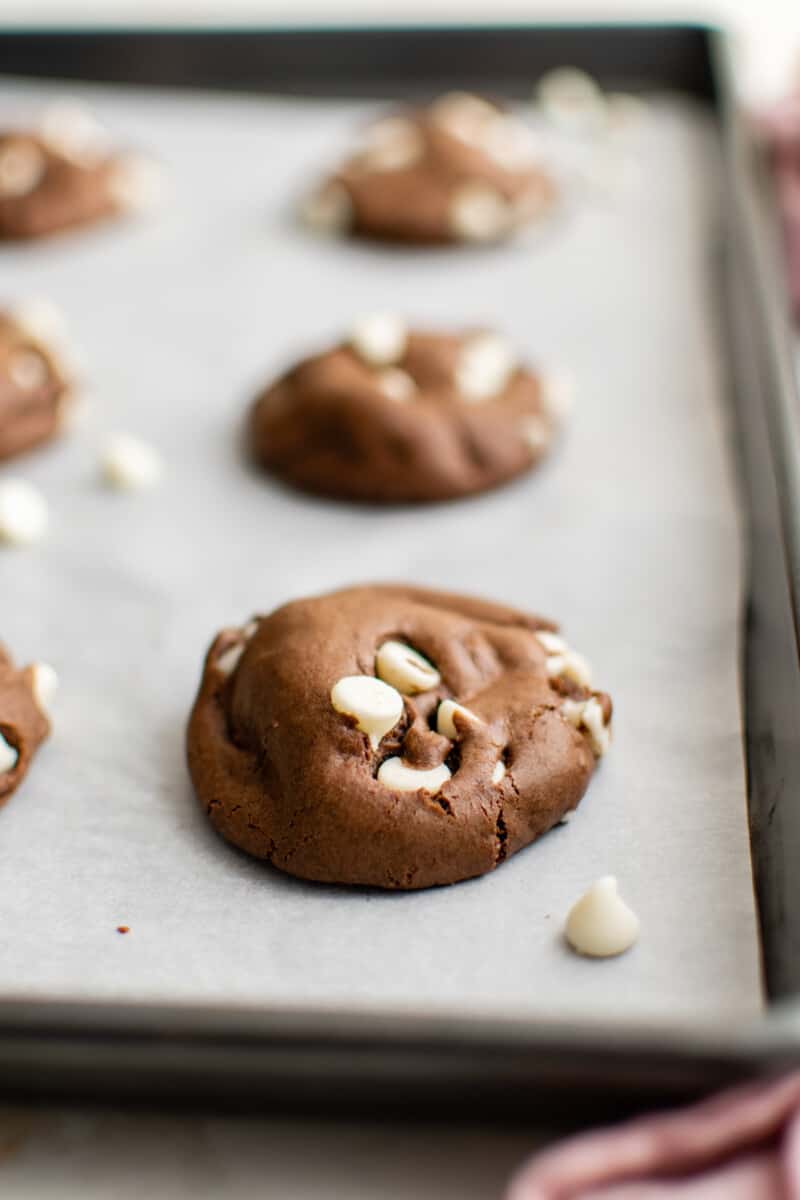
<point>499,772</point>
<point>329,209</point>
<point>572,100</point>
<point>558,394</point>
<point>28,370</point>
<point>392,145</point>
<point>23,513</point>
<point>396,383</point>
<point>562,662</point>
<point>478,213</point>
<point>485,366</point>
<point>129,464</point>
<point>396,775</point>
<point>22,166</point>
<point>71,129</point>
<point>463,115</point>
<point>445,724</point>
<point>536,433</point>
<point>600,924</point>
<point>379,339</point>
<point>136,184</point>
<point>228,661</point>
<point>376,706</point>
<point>45,686</point>
<point>9,757</point>
<point>405,668</point>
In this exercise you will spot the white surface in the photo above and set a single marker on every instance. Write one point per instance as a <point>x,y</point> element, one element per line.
<point>629,536</point>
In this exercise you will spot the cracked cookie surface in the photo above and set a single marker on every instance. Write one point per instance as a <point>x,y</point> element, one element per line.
<point>461,169</point>
<point>392,736</point>
<point>23,721</point>
<point>395,416</point>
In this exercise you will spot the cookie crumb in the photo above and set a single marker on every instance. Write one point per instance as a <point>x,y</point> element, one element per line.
<point>123,929</point>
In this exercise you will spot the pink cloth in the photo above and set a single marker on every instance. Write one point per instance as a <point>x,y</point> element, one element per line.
<point>741,1145</point>
<point>781,127</point>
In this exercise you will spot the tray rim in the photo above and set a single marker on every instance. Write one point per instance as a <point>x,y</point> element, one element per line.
<point>158,1050</point>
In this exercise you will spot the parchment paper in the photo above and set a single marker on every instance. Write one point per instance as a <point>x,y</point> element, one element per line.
<point>629,537</point>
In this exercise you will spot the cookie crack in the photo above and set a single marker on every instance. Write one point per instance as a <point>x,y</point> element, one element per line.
<point>501,835</point>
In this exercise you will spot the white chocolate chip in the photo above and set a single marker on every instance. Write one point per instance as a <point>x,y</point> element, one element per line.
<point>396,383</point>
<point>552,642</point>
<point>23,513</point>
<point>129,464</point>
<point>9,757</point>
<point>228,661</point>
<point>510,143</point>
<point>499,772</point>
<point>600,924</point>
<point>71,129</point>
<point>444,718</point>
<point>463,115</point>
<point>28,370</point>
<point>41,320</point>
<point>573,101</point>
<point>379,339</point>
<point>558,394</point>
<point>392,145</point>
<point>22,167</point>
<point>405,668</point>
<point>329,209</point>
<point>376,706</point>
<point>136,184</point>
<point>485,366</point>
<point>562,662</point>
<point>536,433</point>
<point>588,715</point>
<point>45,686</point>
<point>478,213</point>
<point>396,775</point>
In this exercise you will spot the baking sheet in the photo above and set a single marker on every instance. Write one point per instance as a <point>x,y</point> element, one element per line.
<point>629,537</point>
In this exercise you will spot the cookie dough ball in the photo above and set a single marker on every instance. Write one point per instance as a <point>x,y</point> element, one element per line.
<point>461,170</point>
<point>392,735</point>
<point>64,174</point>
<point>392,416</point>
<point>37,385</point>
<point>24,696</point>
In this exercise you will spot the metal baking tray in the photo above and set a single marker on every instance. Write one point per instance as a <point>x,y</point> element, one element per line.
<point>461,1063</point>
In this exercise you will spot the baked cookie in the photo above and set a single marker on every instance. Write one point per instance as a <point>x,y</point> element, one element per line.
<point>25,696</point>
<point>64,173</point>
<point>460,170</point>
<point>37,384</point>
<point>392,416</point>
<point>393,736</point>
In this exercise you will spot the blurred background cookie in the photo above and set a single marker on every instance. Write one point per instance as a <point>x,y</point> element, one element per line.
<point>392,415</point>
<point>37,377</point>
<point>65,172</point>
<point>460,170</point>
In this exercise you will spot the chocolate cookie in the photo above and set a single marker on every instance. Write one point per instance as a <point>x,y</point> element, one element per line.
<point>393,736</point>
<point>392,416</point>
<point>37,389</point>
<point>24,698</point>
<point>65,174</point>
<point>461,170</point>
